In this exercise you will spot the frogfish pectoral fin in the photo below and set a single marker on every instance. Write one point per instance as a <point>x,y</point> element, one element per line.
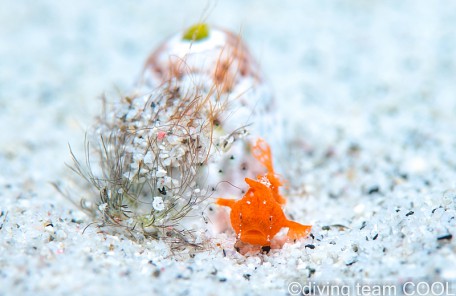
<point>296,230</point>
<point>225,202</point>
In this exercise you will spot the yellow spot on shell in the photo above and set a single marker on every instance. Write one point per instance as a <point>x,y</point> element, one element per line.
<point>196,32</point>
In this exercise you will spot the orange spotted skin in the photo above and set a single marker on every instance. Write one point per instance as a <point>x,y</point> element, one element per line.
<point>258,216</point>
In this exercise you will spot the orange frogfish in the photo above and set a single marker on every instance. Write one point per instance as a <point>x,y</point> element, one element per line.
<point>258,216</point>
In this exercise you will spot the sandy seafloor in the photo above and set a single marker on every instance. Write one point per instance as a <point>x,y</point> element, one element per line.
<point>367,87</point>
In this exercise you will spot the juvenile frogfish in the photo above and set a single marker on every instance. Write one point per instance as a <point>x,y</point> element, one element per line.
<point>258,216</point>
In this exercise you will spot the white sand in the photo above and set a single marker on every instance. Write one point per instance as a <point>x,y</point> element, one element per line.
<point>367,87</point>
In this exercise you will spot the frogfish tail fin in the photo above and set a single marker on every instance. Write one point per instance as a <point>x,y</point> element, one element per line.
<point>262,152</point>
